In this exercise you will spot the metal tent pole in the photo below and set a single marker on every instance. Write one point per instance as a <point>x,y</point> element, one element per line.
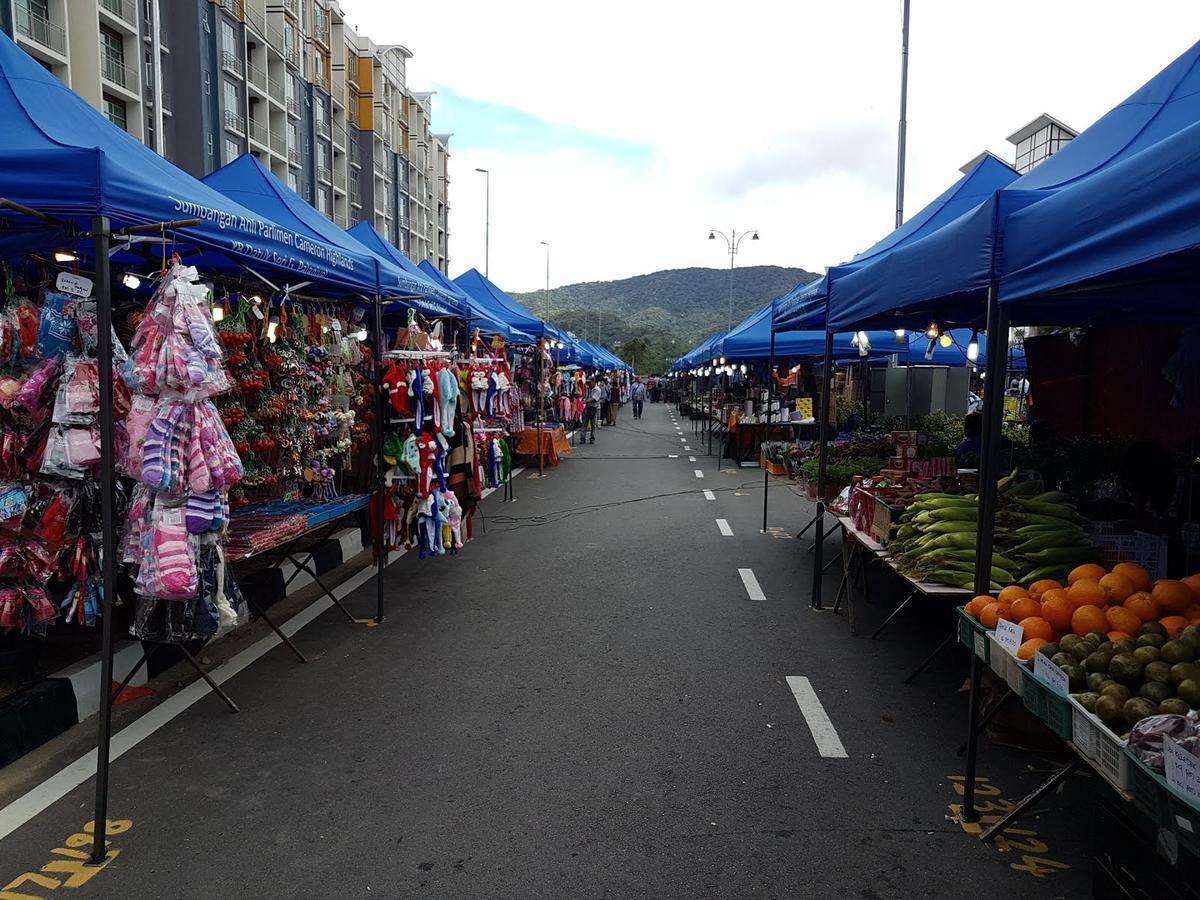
<point>823,439</point>
<point>993,415</point>
<point>767,433</point>
<point>102,239</point>
<point>540,400</point>
<point>709,415</point>
<point>901,141</point>
<point>380,466</point>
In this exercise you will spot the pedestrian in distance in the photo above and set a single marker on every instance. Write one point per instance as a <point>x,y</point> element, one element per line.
<point>591,410</point>
<point>637,394</point>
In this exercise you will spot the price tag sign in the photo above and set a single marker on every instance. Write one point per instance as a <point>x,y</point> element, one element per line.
<point>1009,635</point>
<point>75,285</point>
<point>1182,770</point>
<point>1054,677</point>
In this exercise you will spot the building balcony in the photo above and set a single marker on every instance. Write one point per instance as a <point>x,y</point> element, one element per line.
<point>321,80</point>
<point>274,37</point>
<point>322,128</point>
<point>260,133</point>
<point>324,174</point>
<point>293,107</point>
<point>115,71</point>
<point>257,78</point>
<point>255,20</point>
<point>232,63</point>
<point>339,178</point>
<point>292,8</point>
<point>339,136</point>
<point>291,56</point>
<point>124,10</point>
<point>234,7</point>
<point>279,143</point>
<point>293,155</point>
<point>275,90</point>
<point>340,220</point>
<point>321,31</point>
<point>33,27</point>
<point>235,121</point>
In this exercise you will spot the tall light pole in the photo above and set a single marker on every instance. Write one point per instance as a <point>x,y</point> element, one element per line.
<point>487,218</point>
<point>546,244</point>
<point>733,240</point>
<point>900,147</point>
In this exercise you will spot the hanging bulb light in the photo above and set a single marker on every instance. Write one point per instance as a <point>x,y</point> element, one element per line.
<point>131,281</point>
<point>743,368</point>
<point>929,352</point>
<point>218,313</point>
<point>272,328</point>
<point>722,360</point>
<point>864,343</point>
<point>932,331</point>
<point>361,334</point>
<point>946,341</point>
<point>973,347</point>
<point>901,337</point>
<point>64,256</point>
<point>256,300</point>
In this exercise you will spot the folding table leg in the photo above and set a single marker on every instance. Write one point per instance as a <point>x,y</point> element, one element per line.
<point>233,707</point>
<point>846,555</point>
<point>328,593</point>
<point>1037,794</point>
<point>829,565</point>
<point>128,678</point>
<point>811,523</point>
<point>258,611</point>
<point>932,656</point>
<point>834,527</point>
<point>1009,694</point>
<point>899,609</point>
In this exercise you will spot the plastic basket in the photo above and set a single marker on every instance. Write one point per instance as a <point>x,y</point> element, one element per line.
<point>973,636</point>
<point>1147,550</point>
<point>1156,800</point>
<point>1048,706</point>
<point>1005,665</point>
<point>1099,746</point>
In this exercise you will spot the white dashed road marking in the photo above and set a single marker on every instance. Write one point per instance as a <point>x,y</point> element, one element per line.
<point>691,459</point>
<point>825,736</point>
<point>723,527</point>
<point>699,474</point>
<point>709,495</point>
<point>672,456</point>
<point>752,589</point>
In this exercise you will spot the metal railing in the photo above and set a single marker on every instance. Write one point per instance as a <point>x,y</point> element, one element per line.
<point>258,77</point>
<point>293,106</point>
<point>255,19</point>
<point>380,157</point>
<point>274,36</point>
<point>339,135</point>
<point>352,150</point>
<point>322,127</point>
<point>275,89</point>
<point>339,178</point>
<point>233,7</point>
<point>235,121</point>
<point>114,70</point>
<point>321,80</point>
<point>292,7</point>
<point>293,155</point>
<point>40,30</point>
<point>321,31</point>
<point>279,143</point>
<point>340,219</point>
<point>323,174</point>
<point>260,133</point>
<point>125,10</point>
<point>231,62</point>
<point>292,55</point>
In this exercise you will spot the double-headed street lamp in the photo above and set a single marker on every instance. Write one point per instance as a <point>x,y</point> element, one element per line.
<point>733,240</point>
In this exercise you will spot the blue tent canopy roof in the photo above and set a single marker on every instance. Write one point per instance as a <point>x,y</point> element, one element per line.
<point>1104,177</point>
<point>500,306</point>
<point>437,301</point>
<point>806,306</point>
<point>63,158</point>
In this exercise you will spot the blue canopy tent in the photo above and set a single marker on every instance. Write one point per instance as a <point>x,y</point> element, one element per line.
<point>434,294</point>
<point>806,305</point>
<point>500,306</point>
<point>62,158</point>
<point>947,275</point>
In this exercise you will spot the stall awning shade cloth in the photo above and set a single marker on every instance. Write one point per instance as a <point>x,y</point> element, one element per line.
<point>751,339</point>
<point>1124,194</point>
<point>436,300</point>
<point>471,310</point>
<point>804,307</point>
<point>500,306</point>
<point>60,156</point>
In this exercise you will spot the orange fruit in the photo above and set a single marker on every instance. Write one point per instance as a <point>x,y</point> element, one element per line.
<point>1118,635</point>
<point>1192,581</point>
<point>1012,593</point>
<point>1036,627</point>
<point>1030,647</point>
<point>1057,608</point>
<point>1038,588</point>
<point>1192,612</point>
<point>1087,572</point>
<point>1116,587</point>
<point>1172,596</point>
<point>1122,619</point>
<point>1140,577</point>
<point>992,613</point>
<point>975,607</point>
<point>1173,624</point>
<point>1087,619</point>
<point>1024,607</point>
<point>1143,606</point>
<point>1087,592</point>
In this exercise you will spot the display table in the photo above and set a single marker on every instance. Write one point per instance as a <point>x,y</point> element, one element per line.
<point>553,441</point>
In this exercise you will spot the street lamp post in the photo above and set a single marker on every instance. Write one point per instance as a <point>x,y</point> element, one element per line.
<point>733,241</point>
<point>487,217</point>
<point>546,244</point>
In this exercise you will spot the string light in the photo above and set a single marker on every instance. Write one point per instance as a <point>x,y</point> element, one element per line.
<point>973,347</point>
<point>131,281</point>
<point>361,334</point>
<point>901,337</point>
<point>946,341</point>
<point>64,256</point>
<point>272,328</point>
<point>932,331</point>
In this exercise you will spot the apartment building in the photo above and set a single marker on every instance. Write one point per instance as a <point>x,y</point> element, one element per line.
<point>326,109</point>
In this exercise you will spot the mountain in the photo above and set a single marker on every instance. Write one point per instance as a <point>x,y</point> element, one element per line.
<point>657,317</point>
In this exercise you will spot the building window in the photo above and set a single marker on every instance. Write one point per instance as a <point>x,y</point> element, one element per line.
<point>112,55</point>
<point>232,150</point>
<point>292,181</point>
<point>232,97</point>
<point>114,110</point>
<point>322,155</point>
<point>293,137</point>
<point>323,201</point>
<point>229,38</point>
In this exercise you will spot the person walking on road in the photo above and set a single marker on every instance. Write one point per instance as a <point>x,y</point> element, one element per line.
<point>637,394</point>
<point>591,410</point>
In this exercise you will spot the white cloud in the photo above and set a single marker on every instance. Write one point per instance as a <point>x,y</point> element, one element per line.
<point>780,116</point>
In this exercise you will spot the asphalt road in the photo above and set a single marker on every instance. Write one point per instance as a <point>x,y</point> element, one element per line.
<point>585,703</point>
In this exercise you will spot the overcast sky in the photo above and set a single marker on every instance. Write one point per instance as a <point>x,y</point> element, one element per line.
<point>622,131</point>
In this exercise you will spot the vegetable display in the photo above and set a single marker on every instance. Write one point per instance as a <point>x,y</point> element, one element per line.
<point>1037,536</point>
